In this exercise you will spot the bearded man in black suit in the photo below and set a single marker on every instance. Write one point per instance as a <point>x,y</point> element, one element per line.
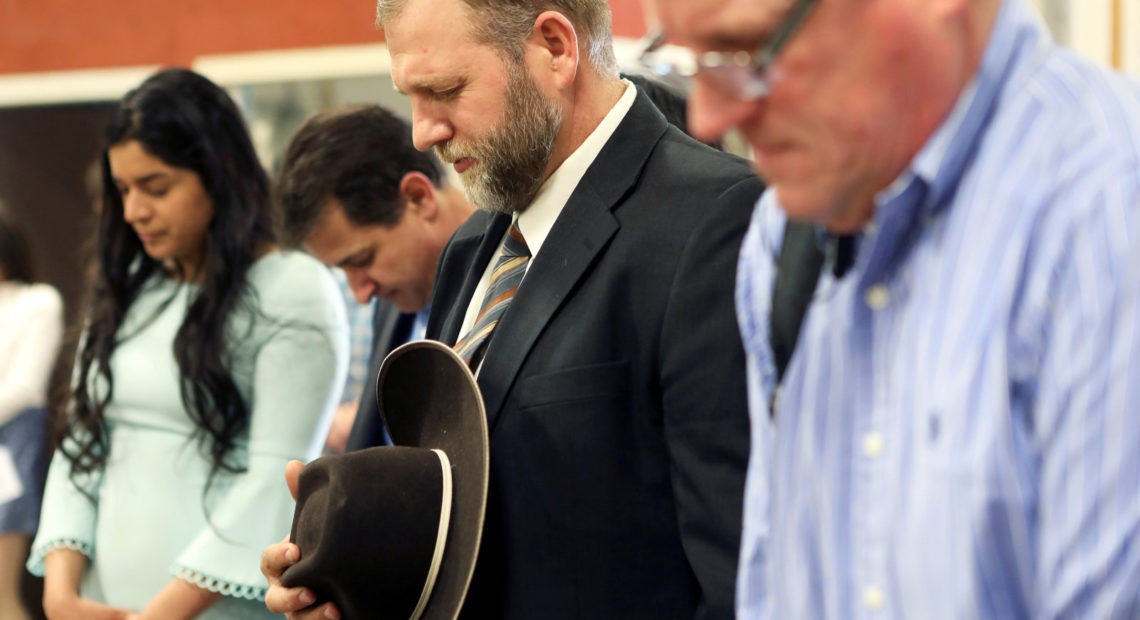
<point>613,375</point>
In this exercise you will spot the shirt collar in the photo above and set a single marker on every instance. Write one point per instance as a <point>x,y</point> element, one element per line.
<point>419,323</point>
<point>537,220</point>
<point>943,160</point>
<point>928,184</point>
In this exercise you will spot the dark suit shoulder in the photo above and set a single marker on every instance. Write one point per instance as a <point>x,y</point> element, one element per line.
<point>699,163</point>
<point>688,189</point>
<point>475,226</point>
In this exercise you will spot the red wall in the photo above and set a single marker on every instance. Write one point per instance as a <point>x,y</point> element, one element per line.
<point>54,35</point>
<point>628,18</point>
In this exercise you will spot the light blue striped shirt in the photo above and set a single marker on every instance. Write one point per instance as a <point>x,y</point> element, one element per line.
<point>360,319</point>
<point>958,433</point>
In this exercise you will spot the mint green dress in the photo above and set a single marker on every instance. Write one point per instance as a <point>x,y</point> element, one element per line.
<point>149,522</point>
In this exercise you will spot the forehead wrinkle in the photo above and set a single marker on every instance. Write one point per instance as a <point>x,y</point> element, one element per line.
<point>432,38</point>
<point>412,68</point>
<point>335,251</point>
<point>351,257</point>
<point>725,25</point>
<point>431,69</point>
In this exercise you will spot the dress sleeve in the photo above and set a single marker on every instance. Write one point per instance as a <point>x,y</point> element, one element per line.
<point>299,371</point>
<point>40,329</point>
<point>68,515</point>
<point>69,508</point>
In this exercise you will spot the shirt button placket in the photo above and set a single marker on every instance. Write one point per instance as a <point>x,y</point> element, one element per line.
<point>871,542</point>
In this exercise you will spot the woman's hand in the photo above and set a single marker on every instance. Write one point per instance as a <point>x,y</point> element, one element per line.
<point>63,571</point>
<point>179,600</point>
<point>75,608</point>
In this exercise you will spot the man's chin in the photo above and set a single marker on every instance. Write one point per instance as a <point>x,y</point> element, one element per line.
<point>839,217</point>
<point>503,208</point>
<point>499,204</point>
<point>800,204</point>
<point>407,306</point>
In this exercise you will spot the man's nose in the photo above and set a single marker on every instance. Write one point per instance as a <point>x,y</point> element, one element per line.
<point>429,126</point>
<point>363,288</point>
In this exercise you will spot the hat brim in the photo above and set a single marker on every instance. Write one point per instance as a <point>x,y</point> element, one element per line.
<point>428,398</point>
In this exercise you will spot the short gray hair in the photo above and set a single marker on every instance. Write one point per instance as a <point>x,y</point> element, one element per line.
<point>504,24</point>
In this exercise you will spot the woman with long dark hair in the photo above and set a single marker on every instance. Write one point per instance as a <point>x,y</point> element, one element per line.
<point>31,326</point>
<point>209,359</point>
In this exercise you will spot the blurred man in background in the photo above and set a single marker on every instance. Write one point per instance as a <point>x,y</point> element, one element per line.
<point>954,436</point>
<point>356,194</point>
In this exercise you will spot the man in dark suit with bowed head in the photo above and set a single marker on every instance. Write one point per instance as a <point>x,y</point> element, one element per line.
<point>356,194</point>
<point>613,375</point>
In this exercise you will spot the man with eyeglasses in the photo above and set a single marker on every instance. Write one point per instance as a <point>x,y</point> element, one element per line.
<point>613,375</point>
<point>955,435</point>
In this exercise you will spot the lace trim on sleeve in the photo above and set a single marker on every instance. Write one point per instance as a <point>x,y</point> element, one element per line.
<point>219,586</point>
<point>40,551</point>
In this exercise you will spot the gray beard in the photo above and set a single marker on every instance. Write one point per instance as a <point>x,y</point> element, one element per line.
<point>511,161</point>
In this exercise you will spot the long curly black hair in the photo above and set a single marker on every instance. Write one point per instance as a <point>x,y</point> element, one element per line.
<point>188,122</point>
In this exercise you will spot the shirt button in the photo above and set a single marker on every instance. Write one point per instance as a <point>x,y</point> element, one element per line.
<point>873,445</point>
<point>873,598</point>
<point>877,297</point>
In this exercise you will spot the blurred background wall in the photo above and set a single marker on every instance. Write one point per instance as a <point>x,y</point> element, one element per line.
<point>62,62</point>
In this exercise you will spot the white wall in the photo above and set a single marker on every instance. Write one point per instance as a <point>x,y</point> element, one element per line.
<point>1090,31</point>
<point>1131,37</point>
<point>1086,26</point>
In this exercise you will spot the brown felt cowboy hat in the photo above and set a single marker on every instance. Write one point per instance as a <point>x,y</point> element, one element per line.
<point>393,531</point>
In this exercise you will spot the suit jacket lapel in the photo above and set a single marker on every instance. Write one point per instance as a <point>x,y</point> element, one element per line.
<point>577,239</point>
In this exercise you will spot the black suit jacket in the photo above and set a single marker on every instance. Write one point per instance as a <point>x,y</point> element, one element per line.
<point>615,389</point>
<point>390,329</point>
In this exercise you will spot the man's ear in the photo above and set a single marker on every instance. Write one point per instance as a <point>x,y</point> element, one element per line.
<point>418,193</point>
<point>556,41</point>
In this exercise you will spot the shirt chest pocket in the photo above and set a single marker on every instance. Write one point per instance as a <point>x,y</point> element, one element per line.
<point>978,440</point>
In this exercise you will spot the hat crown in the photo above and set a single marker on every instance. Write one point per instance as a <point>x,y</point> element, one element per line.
<point>381,567</point>
<point>374,515</point>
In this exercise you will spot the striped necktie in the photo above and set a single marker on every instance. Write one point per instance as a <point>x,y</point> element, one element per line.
<point>505,279</point>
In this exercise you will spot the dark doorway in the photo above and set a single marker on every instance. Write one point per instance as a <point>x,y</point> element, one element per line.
<point>45,153</point>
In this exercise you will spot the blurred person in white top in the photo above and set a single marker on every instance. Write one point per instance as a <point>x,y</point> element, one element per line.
<point>31,325</point>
